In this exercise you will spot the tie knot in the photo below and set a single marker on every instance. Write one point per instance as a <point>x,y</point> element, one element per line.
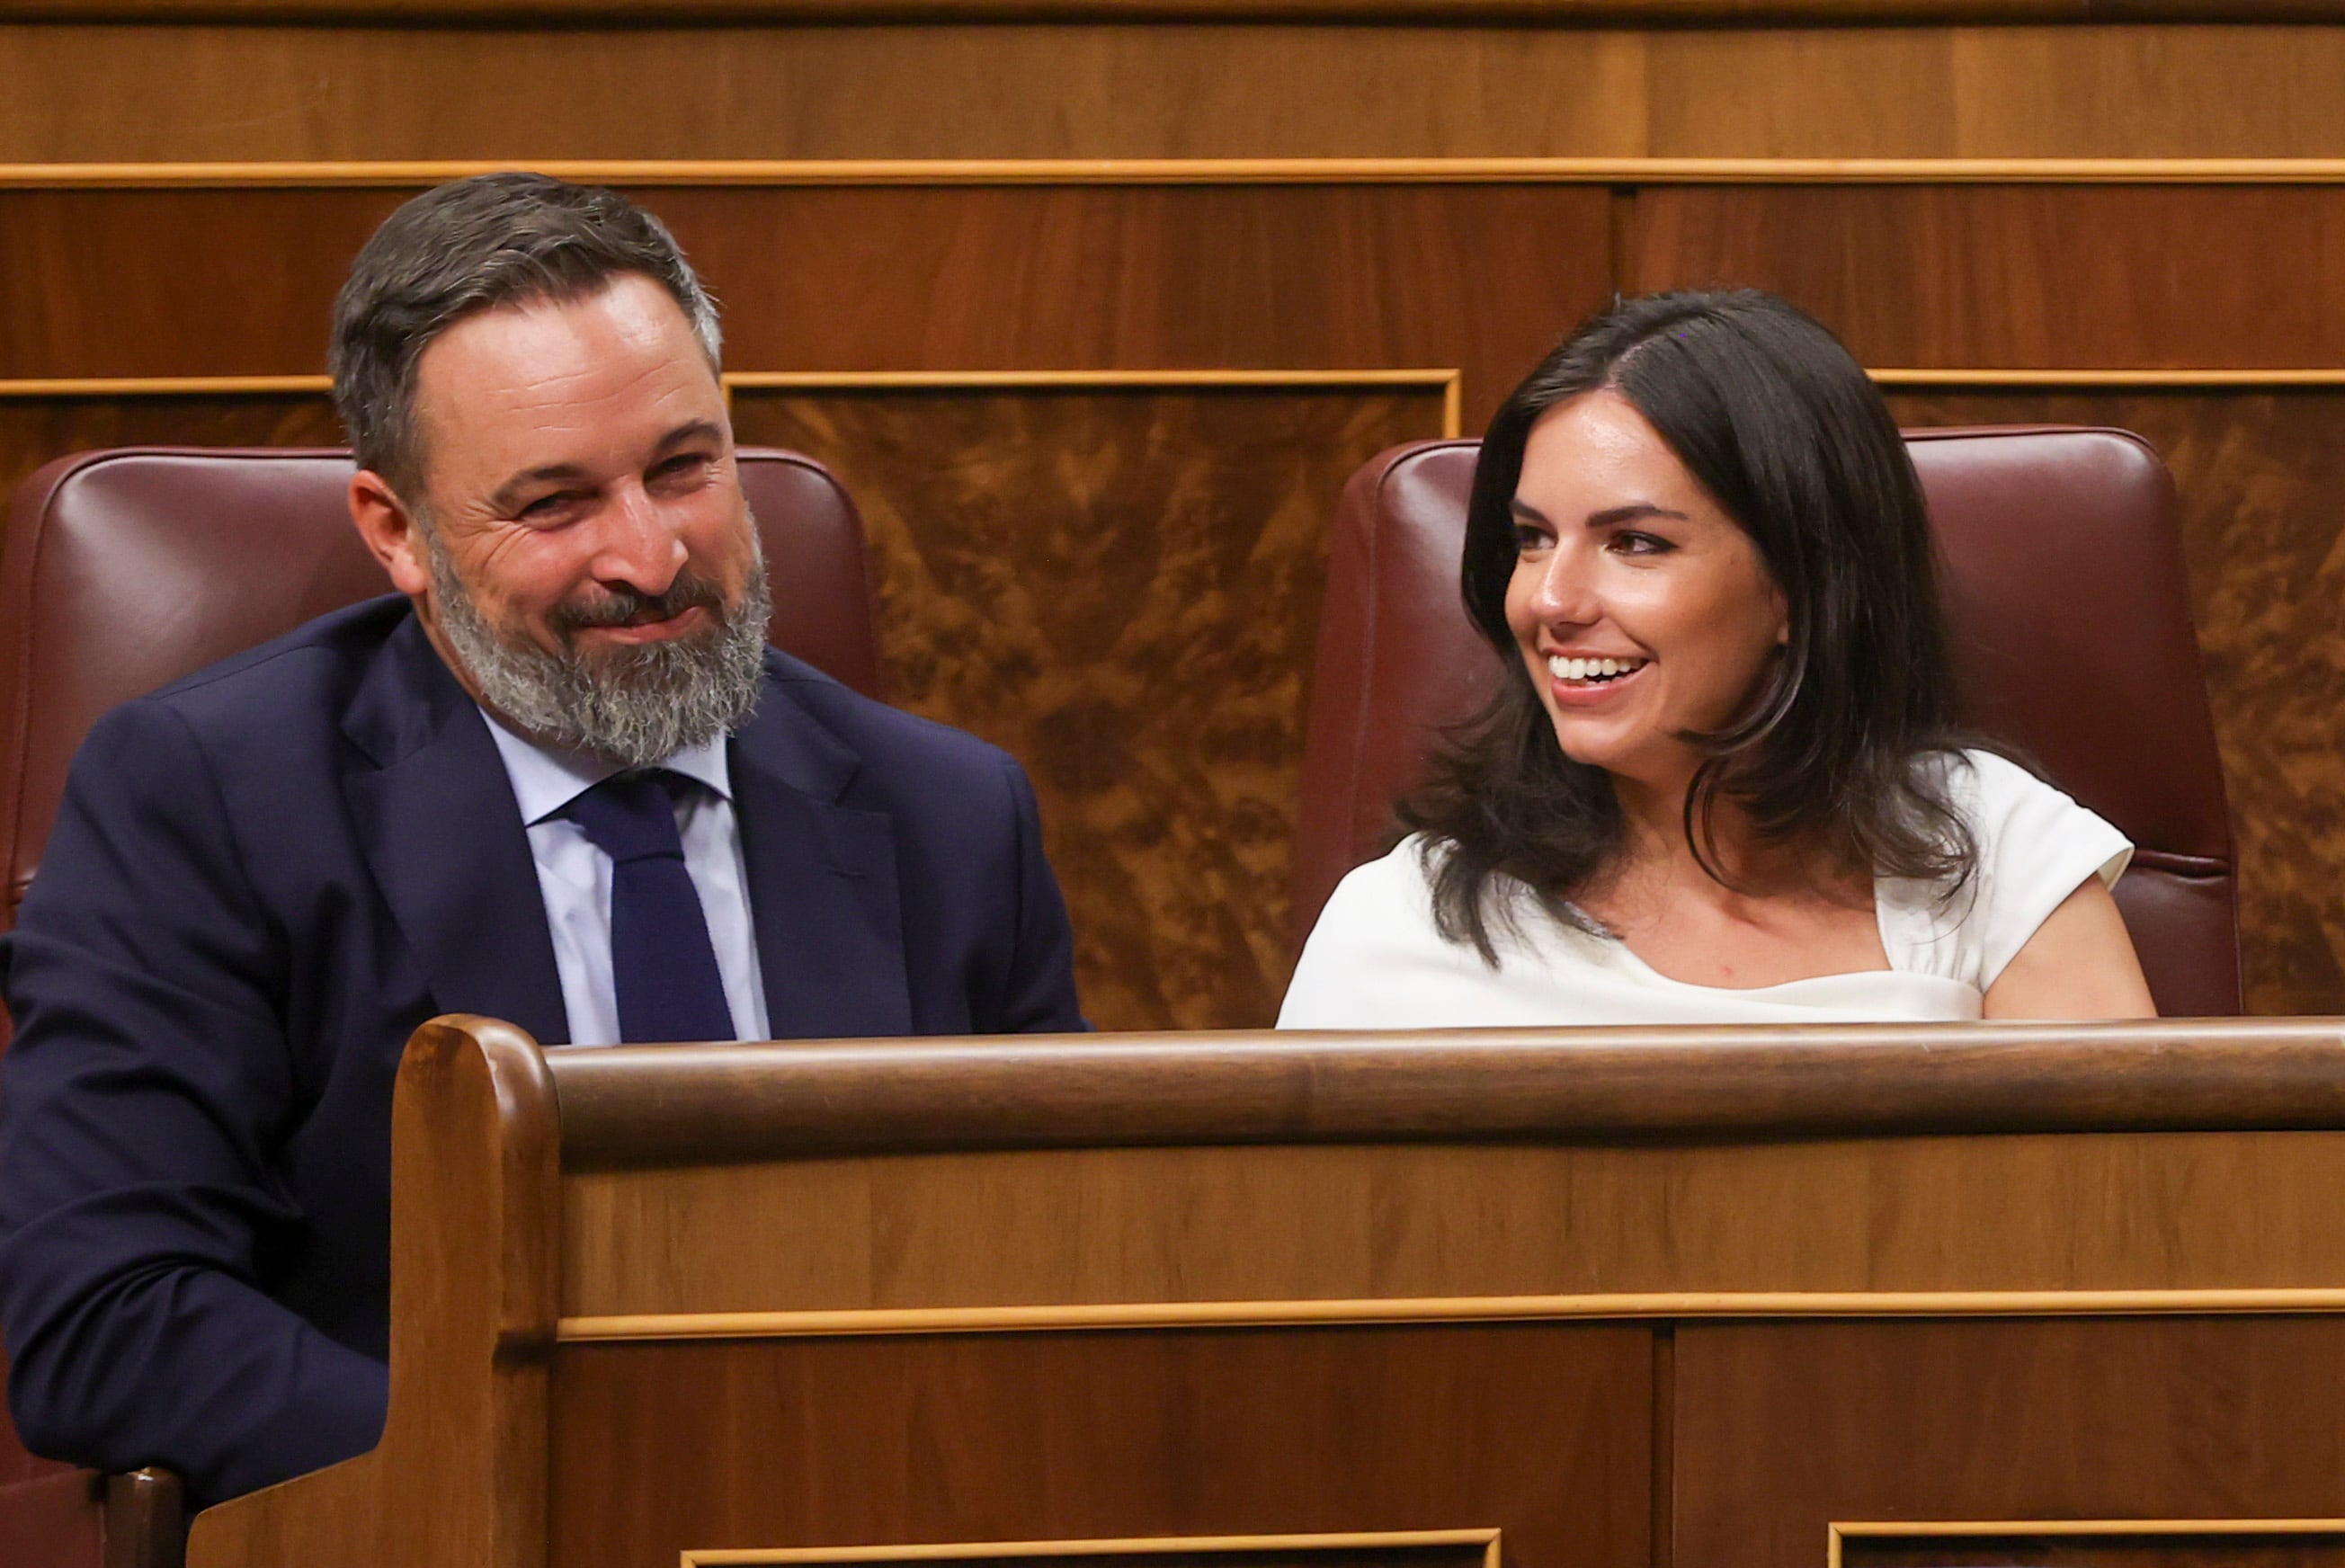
<point>632,816</point>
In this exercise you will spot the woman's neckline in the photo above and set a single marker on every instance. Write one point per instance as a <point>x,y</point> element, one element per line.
<point>1635,960</point>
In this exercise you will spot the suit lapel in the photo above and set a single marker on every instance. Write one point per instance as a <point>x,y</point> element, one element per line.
<point>444,839</point>
<point>822,881</point>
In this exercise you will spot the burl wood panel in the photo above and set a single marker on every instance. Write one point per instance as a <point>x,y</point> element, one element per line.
<point>1541,1432</point>
<point>2106,1211</point>
<point>1169,91</point>
<point>34,429</point>
<point>1121,588</point>
<point>2008,277</point>
<point>2258,473</point>
<point>2179,1549</point>
<point>1782,1428</point>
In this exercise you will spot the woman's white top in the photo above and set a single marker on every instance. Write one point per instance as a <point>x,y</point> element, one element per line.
<point>1376,960</point>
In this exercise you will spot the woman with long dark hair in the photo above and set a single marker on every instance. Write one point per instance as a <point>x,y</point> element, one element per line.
<point>1723,777</point>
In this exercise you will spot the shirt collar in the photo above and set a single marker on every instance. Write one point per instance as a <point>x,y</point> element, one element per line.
<point>546,778</point>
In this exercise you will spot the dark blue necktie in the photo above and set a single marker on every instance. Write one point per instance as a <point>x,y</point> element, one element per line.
<point>663,965</point>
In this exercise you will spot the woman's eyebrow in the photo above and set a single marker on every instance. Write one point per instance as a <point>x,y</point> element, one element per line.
<point>1634,511</point>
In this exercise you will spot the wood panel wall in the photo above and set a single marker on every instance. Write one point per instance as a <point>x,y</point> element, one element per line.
<point>1120,586</point>
<point>1181,91</point>
<point>1167,795</point>
<point>1569,13</point>
<point>1099,419</point>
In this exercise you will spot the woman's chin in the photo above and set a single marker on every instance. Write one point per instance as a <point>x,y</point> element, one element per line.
<point>1573,737</point>
<point>1629,759</point>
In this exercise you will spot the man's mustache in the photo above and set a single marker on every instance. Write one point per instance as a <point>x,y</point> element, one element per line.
<point>617,606</point>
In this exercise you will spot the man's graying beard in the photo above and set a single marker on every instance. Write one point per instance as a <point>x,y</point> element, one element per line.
<point>632,705</point>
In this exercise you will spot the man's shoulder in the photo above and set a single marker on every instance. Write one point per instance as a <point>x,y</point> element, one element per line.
<point>283,704</point>
<point>318,661</point>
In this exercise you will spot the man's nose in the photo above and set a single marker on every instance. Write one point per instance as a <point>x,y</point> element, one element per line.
<point>641,547</point>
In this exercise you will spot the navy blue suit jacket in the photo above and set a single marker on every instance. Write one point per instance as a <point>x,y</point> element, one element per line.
<point>264,877</point>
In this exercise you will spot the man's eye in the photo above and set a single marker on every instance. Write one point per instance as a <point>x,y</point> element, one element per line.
<point>547,507</point>
<point>689,469</point>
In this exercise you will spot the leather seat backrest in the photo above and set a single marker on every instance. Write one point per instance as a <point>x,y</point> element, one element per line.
<point>125,570</point>
<point>2071,618</point>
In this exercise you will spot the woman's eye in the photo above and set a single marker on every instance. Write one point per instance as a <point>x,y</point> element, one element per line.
<point>1630,543</point>
<point>1528,537</point>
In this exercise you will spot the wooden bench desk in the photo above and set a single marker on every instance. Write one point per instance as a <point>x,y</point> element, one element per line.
<point>1709,1299</point>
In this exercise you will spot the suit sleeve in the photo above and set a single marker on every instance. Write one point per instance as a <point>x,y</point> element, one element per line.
<point>1039,995</point>
<point>142,1104</point>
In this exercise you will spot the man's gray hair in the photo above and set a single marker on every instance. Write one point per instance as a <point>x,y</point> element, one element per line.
<point>471,246</point>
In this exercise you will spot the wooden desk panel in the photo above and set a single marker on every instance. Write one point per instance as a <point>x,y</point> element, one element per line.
<point>1539,1431</point>
<point>2110,1211</point>
<point>1783,1428</point>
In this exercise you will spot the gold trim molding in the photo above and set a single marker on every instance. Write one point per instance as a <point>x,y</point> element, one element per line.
<point>1374,376</point>
<point>166,387</point>
<point>1447,383</point>
<point>1836,1533</point>
<point>2101,379</point>
<point>1444,381</point>
<point>1109,1546</point>
<point>861,1321</point>
<point>1201,171</point>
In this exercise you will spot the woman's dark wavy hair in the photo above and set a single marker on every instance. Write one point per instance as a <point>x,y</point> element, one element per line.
<point>1789,436</point>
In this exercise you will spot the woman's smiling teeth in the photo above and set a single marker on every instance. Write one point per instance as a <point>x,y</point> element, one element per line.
<point>1564,669</point>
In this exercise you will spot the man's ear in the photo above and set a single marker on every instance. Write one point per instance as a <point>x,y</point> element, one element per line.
<point>391,533</point>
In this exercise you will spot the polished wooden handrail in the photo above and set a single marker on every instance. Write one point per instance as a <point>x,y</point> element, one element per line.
<point>704,1103</point>
<point>1582,13</point>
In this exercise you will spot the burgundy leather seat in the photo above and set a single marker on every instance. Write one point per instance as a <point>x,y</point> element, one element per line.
<point>2073,642</point>
<point>125,570</point>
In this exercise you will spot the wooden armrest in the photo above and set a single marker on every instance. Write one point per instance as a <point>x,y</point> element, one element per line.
<point>145,1515</point>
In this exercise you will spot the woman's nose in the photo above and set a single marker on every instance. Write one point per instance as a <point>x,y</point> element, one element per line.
<point>1566,592</point>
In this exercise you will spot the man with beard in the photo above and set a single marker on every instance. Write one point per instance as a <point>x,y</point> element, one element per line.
<point>559,778</point>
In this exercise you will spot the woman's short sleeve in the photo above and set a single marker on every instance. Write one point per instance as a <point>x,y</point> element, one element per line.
<point>1374,927</point>
<point>1377,960</point>
<point>2036,847</point>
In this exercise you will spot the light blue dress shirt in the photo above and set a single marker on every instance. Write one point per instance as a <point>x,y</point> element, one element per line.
<point>574,878</point>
